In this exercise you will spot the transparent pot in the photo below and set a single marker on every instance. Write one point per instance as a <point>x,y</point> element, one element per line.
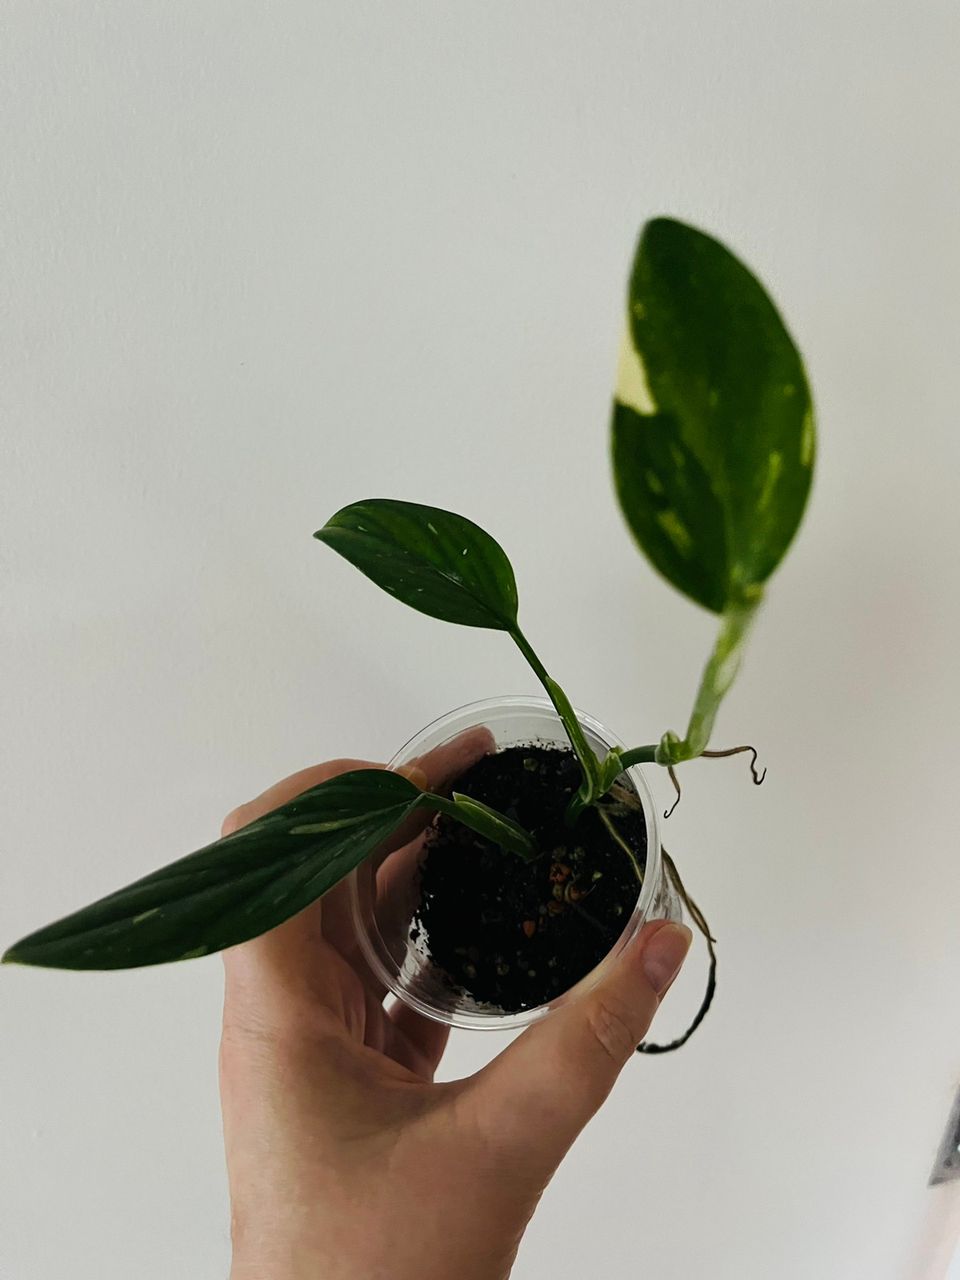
<point>385,896</point>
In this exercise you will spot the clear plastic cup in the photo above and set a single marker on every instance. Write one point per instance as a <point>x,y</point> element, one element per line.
<point>385,899</point>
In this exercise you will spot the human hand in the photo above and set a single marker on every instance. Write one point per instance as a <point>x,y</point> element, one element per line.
<point>345,1159</point>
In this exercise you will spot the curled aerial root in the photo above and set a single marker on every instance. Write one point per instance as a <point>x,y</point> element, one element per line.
<point>758,777</point>
<point>676,782</point>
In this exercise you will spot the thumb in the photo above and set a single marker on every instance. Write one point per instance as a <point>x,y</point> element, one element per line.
<point>540,1092</point>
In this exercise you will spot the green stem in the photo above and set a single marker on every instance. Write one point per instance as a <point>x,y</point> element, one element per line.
<point>718,675</point>
<point>590,789</point>
<point>639,755</point>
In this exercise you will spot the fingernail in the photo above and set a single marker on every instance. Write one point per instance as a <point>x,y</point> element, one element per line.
<point>664,954</point>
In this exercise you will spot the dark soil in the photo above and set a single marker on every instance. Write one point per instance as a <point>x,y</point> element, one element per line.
<point>513,933</point>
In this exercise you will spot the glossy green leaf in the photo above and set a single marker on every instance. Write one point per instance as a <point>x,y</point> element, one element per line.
<point>433,560</point>
<point>447,567</point>
<point>713,430</point>
<point>235,888</point>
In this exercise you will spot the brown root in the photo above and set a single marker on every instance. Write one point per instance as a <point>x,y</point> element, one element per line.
<point>676,782</point>
<point>700,921</point>
<point>622,796</point>
<point>758,777</point>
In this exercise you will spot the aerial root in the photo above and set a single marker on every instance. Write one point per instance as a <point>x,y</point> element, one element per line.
<point>676,782</point>
<point>758,777</point>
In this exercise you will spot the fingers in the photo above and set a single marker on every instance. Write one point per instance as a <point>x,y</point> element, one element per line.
<point>388,881</point>
<point>435,771</point>
<point>444,764</point>
<point>288,789</point>
<point>297,938</point>
<point>541,1091</point>
<point>289,952</point>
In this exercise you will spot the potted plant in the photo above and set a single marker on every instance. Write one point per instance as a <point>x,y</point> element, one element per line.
<point>486,902</point>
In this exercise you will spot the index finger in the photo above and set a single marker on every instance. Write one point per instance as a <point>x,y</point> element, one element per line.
<point>288,789</point>
<point>291,946</point>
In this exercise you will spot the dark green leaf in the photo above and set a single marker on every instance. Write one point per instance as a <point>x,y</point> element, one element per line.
<point>236,888</point>
<point>432,560</point>
<point>713,432</point>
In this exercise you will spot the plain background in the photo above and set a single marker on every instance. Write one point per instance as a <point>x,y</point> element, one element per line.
<point>264,259</point>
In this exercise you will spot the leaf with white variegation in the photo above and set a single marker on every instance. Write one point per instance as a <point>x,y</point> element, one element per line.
<point>713,430</point>
<point>433,560</point>
<point>235,888</point>
<point>447,567</point>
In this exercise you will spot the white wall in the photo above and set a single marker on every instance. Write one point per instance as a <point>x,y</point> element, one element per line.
<point>263,259</point>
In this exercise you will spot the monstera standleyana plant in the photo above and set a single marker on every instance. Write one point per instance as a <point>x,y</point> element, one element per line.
<point>531,862</point>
